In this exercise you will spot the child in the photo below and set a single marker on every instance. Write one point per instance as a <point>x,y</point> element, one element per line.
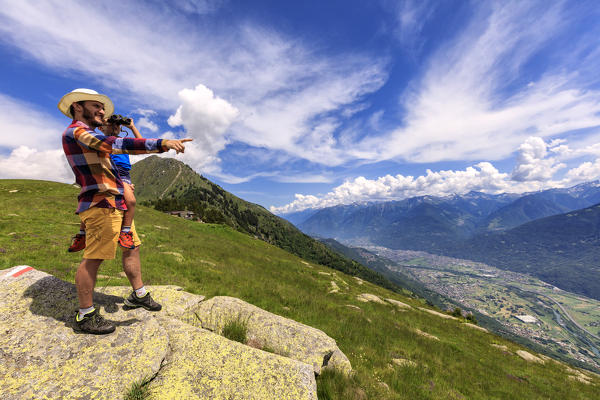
<point>123,165</point>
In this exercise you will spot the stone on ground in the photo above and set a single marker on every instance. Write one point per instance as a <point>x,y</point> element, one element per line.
<point>439,314</point>
<point>42,357</point>
<point>527,356</point>
<point>368,297</point>
<point>204,365</point>
<point>284,336</point>
<point>399,304</point>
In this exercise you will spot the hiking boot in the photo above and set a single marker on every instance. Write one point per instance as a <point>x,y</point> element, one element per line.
<point>78,243</point>
<point>93,322</point>
<point>126,240</point>
<point>146,301</point>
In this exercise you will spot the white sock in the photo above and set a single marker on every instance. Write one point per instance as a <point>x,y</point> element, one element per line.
<point>83,311</point>
<point>141,292</point>
<point>81,232</point>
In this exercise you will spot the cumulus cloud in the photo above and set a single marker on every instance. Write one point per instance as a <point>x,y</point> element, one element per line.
<point>535,169</point>
<point>24,124</point>
<point>283,88</point>
<point>27,163</point>
<point>145,122</point>
<point>481,177</point>
<point>532,163</point>
<point>205,118</point>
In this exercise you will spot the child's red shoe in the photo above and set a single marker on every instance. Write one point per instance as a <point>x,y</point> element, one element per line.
<point>78,243</point>
<point>126,240</point>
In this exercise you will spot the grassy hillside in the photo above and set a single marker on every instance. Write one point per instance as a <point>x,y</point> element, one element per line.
<point>168,185</point>
<point>37,220</point>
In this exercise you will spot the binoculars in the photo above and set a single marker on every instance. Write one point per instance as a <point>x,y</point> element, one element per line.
<point>118,119</point>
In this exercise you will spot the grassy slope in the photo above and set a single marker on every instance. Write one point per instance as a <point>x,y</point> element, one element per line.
<point>183,188</point>
<point>221,261</point>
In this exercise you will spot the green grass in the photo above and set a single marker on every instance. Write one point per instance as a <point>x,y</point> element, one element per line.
<point>138,390</point>
<point>220,261</point>
<point>236,329</point>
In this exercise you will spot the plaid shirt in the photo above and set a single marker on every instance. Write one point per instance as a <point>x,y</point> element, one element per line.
<point>88,152</point>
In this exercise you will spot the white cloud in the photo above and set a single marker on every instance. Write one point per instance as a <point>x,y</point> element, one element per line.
<point>461,108</point>
<point>27,163</point>
<point>205,118</point>
<point>532,163</point>
<point>587,171</point>
<point>282,88</point>
<point>24,124</point>
<point>481,177</point>
<point>146,123</point>
<point>535,169</point>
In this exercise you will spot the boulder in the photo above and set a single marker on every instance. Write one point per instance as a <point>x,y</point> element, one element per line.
<point>281,335</point>
<point>203,365</point>
<point>366,297</point>
<point>527,356</point>
<point>399,304</point>
<point>439,314</point>
<point>403,362</point>
<point>41,356</point>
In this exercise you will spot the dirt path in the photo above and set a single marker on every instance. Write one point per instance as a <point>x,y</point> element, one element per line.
<point>171,184</point>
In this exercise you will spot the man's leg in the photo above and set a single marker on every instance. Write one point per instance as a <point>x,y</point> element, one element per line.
<point>102,225</point>
<point>133,269</point>
<point>85,281</point>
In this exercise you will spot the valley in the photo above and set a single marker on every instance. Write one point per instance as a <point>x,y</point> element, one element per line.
<point>564,323</point>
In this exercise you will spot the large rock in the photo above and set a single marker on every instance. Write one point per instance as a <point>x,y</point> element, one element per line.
<point>281,335</point>
<point>204,365</point>
<point>41,356</point>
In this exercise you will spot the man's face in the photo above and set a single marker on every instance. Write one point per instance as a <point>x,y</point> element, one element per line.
<point>93,113</point>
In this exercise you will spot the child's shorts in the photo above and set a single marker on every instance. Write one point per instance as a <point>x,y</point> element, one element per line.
<point>124,174</point>
<point>102,228</point>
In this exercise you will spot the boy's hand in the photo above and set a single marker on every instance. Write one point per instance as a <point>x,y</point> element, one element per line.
<point>131,125</point>
<point>177,145</point>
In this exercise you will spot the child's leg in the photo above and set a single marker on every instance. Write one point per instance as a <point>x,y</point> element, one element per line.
<point>130,201</point>
<point>82,228</point>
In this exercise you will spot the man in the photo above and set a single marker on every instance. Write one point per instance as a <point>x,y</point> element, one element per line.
<point>101,202</point>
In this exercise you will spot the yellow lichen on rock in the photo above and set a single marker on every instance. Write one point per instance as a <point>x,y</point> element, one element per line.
<point>204,365</point>
<point>285,336</point>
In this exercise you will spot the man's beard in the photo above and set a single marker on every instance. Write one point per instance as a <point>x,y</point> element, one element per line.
<point>87,115</point>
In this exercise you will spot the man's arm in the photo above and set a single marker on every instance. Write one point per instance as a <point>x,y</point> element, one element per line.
<point>116,145</point>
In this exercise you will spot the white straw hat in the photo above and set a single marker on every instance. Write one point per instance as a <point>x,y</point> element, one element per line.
<point>64,105</point>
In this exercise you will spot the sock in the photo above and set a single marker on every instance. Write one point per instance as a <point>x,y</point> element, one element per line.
<point>141,292</point>
<point>83,311</point>
<point>125,229</point>
<point>81,232</point>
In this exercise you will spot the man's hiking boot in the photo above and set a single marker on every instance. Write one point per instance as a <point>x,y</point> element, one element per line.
<point>93,322</point>
<point>78,243</point>
<point>126,240</point>
<point>147,302</point>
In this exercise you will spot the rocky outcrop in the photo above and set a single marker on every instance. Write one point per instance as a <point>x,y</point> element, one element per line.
<point>400,305</point>
<point>41,356</point>
<point>281,335</point>
<point>527,356</point>
<point>368,297</point>
<point>439,314</point>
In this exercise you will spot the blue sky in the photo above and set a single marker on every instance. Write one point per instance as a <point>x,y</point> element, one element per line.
<point>311,104</point>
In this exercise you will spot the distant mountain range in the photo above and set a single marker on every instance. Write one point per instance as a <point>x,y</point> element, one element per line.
<point>537,233</point>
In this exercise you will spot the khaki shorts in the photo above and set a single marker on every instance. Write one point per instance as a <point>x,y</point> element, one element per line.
<point>102,228</point>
